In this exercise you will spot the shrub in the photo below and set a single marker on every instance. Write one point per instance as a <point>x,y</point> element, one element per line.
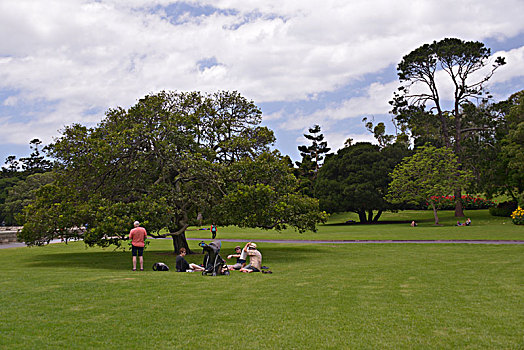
<point>518,216</point>
<point>468,202</point>
<point>503,209</point>
<point>505,212</point>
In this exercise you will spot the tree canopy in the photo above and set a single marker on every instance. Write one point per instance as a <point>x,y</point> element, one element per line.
<point>312,160</point>
<point>420,102</point>
<point>356,178</point>
<point>23,193</point>
<point>163,161</point>
<point>425,176</point>
<point>513,145</point>
<point>16,171</point>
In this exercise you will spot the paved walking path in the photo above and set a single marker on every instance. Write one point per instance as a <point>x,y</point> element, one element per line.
<point>348,241</point>
<point>447,241</point>
<point>18,244</point>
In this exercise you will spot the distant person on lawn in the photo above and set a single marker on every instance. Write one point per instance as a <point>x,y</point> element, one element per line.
<point>213,231</point>
<point>138,237</point>
<point>183,266</point>
<point>467,223</point>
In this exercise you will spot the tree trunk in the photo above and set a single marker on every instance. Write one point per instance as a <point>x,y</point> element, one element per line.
<point>362,216</point>
<point>375,219</point>
<point>459,209</point>
<point>199,219</point>
<point>179,241</point>
<point>370,215</point>
<point>435,212</point>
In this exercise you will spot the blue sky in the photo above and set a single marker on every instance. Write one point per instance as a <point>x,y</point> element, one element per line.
<point>303,62</point>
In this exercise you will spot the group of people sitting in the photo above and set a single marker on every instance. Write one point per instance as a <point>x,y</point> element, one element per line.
<point>466,223</point>
<point>241,254</point>
<point>255,259</point>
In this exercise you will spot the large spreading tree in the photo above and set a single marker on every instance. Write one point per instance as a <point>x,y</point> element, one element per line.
<point>424,104</point>
<point>486,153</point>
<point>164,161</point>
<point>512,152</point>
<point>356,178</point>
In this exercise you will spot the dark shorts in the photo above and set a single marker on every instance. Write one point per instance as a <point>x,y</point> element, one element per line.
<point>139,250</point>
<point>252,268</point>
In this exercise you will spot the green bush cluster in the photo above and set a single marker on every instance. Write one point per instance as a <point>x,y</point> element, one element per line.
<point>505,212</point>
<point>503,209</point>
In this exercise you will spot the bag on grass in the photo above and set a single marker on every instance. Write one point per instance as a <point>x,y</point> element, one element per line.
<point>159,266</point>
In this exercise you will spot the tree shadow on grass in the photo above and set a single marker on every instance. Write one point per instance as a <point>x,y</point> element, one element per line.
<point>121,261</point>
<point>358,223</point>
<point>380,222</point>
<point>113,260</point>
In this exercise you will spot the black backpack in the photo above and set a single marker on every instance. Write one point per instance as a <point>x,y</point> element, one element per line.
<point>159,266</point>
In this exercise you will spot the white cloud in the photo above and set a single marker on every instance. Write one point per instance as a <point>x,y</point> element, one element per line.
<point>373,102</point>
<point>81,55</point>
<point>514,66</point>
<point>336,140</point>
<point>11,101</point>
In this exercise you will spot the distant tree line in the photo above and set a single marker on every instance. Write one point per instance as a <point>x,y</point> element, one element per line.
<point>20,179</point>
<point>174,157</point>
<point>476,145</point>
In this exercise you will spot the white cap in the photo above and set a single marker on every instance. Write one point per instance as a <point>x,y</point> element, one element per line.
<point>137,223</point>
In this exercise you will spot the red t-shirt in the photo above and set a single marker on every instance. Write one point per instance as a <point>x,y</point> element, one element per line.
<point>138,235</point>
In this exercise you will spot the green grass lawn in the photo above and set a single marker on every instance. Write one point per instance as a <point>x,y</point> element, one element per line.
<point>484,226</point>
<point>334,296</point>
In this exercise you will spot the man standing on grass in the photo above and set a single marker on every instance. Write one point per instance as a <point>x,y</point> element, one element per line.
<point>138,236</point>
<point>213,231</point>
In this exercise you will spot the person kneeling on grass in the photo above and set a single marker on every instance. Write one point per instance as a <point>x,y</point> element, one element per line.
<point>183,266</point>
<point>241,256</point>
<point>255,258</point>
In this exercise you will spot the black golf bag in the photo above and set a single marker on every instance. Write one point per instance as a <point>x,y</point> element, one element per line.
<point>213,262</point>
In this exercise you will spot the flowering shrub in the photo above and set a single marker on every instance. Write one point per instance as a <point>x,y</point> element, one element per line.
<point>468,202</point>
<point>518,216</point>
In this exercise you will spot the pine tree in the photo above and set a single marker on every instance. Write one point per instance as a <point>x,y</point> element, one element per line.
<point>312,159</point>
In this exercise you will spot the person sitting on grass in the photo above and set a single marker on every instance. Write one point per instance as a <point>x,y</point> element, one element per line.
<point>468,222</point>
<point>183,266</point>
<point>255,258</point>
<point>241,256</point>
